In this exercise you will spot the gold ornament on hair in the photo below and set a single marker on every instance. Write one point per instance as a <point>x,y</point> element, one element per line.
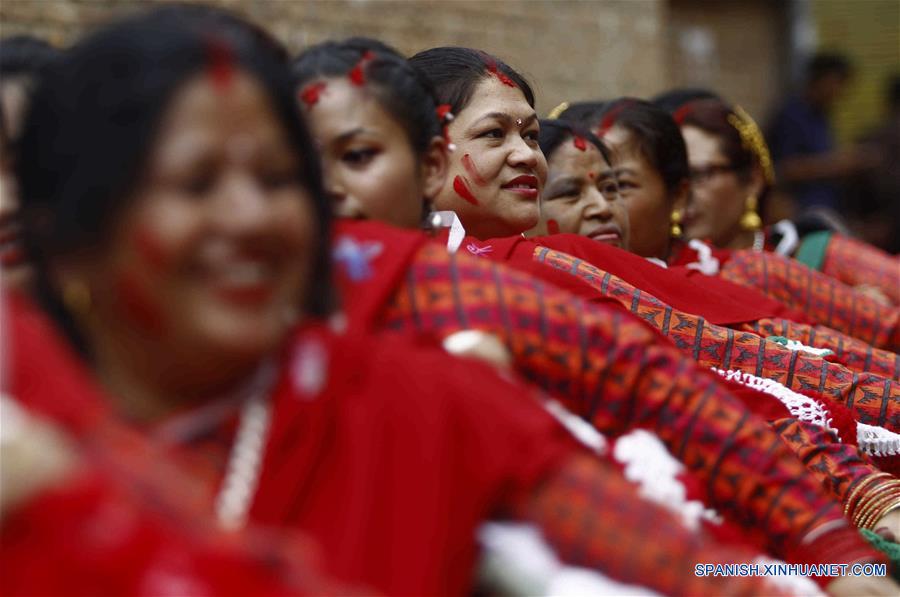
<point>753,140</point>
<point>558,110</point>
<point>676,219</point>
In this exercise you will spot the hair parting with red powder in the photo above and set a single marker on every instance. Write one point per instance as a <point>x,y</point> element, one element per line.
<point>357,74</point>
<point>219,61</point>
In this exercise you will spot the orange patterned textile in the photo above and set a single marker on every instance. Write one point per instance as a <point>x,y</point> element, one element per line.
<point>875,400</point>
<point>860,264</point>
<point>823,298</point>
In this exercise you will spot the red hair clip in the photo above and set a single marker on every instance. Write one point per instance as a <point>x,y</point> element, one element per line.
<point>357,74</point>
<point>310,94</point>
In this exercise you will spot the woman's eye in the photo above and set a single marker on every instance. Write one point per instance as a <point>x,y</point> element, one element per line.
<point>279,178</point>
<point>359,157</point>
<point>610,190</point>
<point>531,136</point>
<point>199,184</point>
<point>493,134</point>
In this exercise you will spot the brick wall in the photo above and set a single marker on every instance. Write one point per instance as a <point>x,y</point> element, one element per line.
<point>570,50</point>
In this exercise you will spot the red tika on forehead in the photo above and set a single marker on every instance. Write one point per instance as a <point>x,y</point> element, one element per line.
<point>610,119</point>
<point>491,66</point>
<point>219,62</point>
<point>357,74</point>
<point>310,94</point>
<point>579,143</point>
<point>683,112</point>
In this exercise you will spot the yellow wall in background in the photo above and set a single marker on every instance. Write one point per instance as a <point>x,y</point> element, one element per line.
<point>868,31</point>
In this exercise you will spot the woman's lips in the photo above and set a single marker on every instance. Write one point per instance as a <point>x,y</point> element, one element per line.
<point>606,235</point>
<point>525,185</point>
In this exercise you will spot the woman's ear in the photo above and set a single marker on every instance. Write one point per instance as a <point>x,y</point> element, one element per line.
<point>681,195</point>
<point>434,166</point>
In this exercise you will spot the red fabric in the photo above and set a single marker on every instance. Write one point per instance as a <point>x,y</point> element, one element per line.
<point>722,304</point>
<point>392,468</point>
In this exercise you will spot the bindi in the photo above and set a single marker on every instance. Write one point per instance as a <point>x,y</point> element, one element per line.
<point>461,186</point>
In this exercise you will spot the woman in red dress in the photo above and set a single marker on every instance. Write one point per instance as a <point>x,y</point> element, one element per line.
<point>364,127</point>
<point>182,283</point>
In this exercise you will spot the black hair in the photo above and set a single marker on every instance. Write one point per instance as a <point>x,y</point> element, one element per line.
<point>399,89</point>
<point>94,118</point>
<point>585,114</point>
<point>828,63</point>
<point>656,134</point>
<point>25,55</point>
<point>23,60</point>
<point>454,73</point>
<point>893,91</point>
<point>555,132</point>
<point>673,99</point>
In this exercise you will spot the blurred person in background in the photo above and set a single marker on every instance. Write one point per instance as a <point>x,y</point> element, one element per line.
<point>23,59</point>
<point>873,197</point>
<point>732,176</point>
<point>802,142</point>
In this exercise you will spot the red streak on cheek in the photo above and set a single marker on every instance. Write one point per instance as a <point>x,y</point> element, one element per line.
<point>591,175</point>
<point>462,189</point>
<point>136,305</point>
<point>579,143</point>
<point>150,249</point>
<point>552,226</point>
<point>469,165</point>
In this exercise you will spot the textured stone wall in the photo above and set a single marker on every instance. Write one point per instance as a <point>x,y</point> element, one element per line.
<point>569,49</point>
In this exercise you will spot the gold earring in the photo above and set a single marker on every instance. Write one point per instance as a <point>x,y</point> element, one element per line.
<point>675,219</point>
<point>77,297</point>
<point>751,220</point>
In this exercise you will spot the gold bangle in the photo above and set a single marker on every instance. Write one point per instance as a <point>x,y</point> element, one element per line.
<point>859,486</point>
<point>881,511</point>
<point>871,507</point>
<point>887,509</point>
<point>872,494</point>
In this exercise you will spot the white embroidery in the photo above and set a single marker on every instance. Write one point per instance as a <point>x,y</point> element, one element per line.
<point>789,238</point>
<point>877,441</point>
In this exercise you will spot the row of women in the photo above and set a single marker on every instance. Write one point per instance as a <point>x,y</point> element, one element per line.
<point>357,323</point>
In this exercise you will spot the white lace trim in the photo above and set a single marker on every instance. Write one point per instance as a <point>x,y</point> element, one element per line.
<point>798,346</point>
<point>707,264</point>
<point>648,463</point>
<point>801,407</point>
<point>877,441</point>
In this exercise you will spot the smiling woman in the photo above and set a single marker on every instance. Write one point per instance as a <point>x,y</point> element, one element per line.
<point>497,170</point>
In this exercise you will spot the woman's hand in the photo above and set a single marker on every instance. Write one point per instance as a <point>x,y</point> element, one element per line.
<point>888,527</point>
<point>871,586</point>
<point>33,455</point>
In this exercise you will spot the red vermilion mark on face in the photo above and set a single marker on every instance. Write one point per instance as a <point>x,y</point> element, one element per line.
<point>469,165</point>
<point>136,304</point>
<point>150,249</point>
<point>492,68</point>
<point>579,143</point>
<point>552,226</point>
<point>357,74</point>
<point>462,189</point>
<point>219,63</point>
<point>310,94</point>
<point>591,176</point>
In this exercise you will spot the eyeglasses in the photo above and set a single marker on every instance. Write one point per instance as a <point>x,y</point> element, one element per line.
<point>704,175</point>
